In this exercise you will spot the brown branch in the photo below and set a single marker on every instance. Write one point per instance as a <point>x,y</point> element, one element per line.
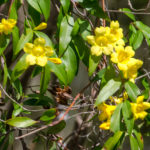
<point>144,9</point>
<point>58,121</point>
<point>103,6</point>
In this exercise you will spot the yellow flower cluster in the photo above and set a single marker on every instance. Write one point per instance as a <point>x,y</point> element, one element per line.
<point>6,26</point>
<point>106,111</point>
<point>106,39</point>
<point>38,53</point>
<point>128,65</point>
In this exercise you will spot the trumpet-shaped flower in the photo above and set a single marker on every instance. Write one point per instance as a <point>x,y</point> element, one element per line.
<point>41,26</point>
<point>6,26</point>
<point>139,108</point>
<point>38,53</point>
<point>105,39</point>
<point>106,111</point>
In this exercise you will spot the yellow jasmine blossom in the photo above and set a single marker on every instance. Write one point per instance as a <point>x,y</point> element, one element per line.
<point>105,39</point>
<point>6,26</point>
<point>130,70</point>
<point>139,108</point>
<point>105,125</point>
<point>106,111</point>
<point>38,53</point>
<point>41,26</point>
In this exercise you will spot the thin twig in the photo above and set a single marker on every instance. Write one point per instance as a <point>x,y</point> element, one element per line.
<point>144,9</point>
<point>135,13</point>
<point>58,121</point>
<point>103,6</point>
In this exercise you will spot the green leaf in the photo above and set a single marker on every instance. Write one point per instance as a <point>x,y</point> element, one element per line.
<point>17,110</point>
<point>4,41</point>
<point>65,5</point>
<point>99,75</point>
<point>38,100</point>
<point>5,74</point>
<point>59,70</point>
<point>23,39</point>
<point>94,8</point>
<point>108,90</point>
<point>145,29</point>
<point>57,128</point>
<point>66,27</point>
<point>21,122</point>
<point>93,63</point>
<point>48,115</point>
<point>15,35</point>
<point>35,5</point>
<point>37,70</point>
<point>20,67</point>
<point>112,141</point>
<point>128,116</point>
<point>70,61</point>
<point>116,119</point>
<point>45,8</point>
<point>45,78</point>
<point>82,49</point>
<point>130,15</point>
<point>132,90</point>
<point>76,28</point>
<point>139,138</point>
<point>134,143</point>
<point>43,35</point>
<point>138,39</point>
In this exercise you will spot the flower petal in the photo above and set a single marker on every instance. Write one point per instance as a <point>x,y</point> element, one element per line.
<point>30,59</point>
<point>41,61</point>
<point>41,26</point>
<point>40,41</point>
<point>55,60</point>
<point>28,47</point>
<point>48,51</point>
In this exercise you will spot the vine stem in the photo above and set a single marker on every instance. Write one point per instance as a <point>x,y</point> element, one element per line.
<point>103,6</point>
<point>58,121</point>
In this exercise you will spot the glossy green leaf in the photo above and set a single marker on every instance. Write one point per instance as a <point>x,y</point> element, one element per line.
<point>139,138</point>
<point>132,90</point>
<point>21,122</point>
<point>134,143</point>
<point>4,41</point>
<point>17,110</point>
<point>112,141</point>
<point>108,90</point>
<point>15,35</point>
<point>48,115</point>
<point>57,128</point>
<point>23,39</point>
<point>116,119</point>
<point>130,15</point>
<point>66,27</point>
<point>45,79</point>
<point>45,36</point>
<point>45,8</point>
<point>5,74</point>
<point>128,116</point>
<point>59,70</point>
<point>99,75</point>
<point>138,39</point>
<point>76,28</point>
<point>65,5</point>
<point>19,68</point>
<point>145,29</point>
<point>93,63</point>
<point>35,5</point>
<point>70,61</point>
<point>37,70</point>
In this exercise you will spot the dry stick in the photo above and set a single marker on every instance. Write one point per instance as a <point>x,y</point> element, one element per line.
<point>130,5</point>
<point>11,3</point>
<point>103,6</point>
<point>58,121</point>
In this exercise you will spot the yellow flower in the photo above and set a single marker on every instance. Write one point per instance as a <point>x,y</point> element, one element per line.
<point>105,125</point>
<point>41,26</point>
<point>106,111</point>
<point>105,39</point>
<point>139,108</point>
<point>130,69</point>
<point>6,26</point>
<point>115,99</point>
<point>38,53</point>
